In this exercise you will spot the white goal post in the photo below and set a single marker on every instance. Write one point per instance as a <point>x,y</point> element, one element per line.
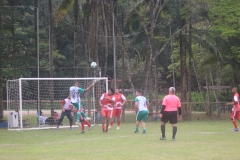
<point>31,99</point>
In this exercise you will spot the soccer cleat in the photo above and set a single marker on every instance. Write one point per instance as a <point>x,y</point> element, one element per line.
<point>162,138</point>
<point>89,128</point>
<point>144,131</point>
<point>118,127</point>
<point>135,131</point>
<point>173,139</point>
<point>71,129</point>
<point>83,131</point>
<point>57,128</point>
<point>235,130</point>
<point>103,130</point>
<point>106,131</point>
<point>109,127</point>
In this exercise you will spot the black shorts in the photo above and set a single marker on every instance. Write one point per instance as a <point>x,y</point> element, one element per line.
<point>170,116</point>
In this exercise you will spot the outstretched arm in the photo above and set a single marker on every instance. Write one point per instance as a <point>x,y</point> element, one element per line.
<point>89,87</point>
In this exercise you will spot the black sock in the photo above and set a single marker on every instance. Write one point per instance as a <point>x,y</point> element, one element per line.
<point>174,131</point>
<point>163,130</point>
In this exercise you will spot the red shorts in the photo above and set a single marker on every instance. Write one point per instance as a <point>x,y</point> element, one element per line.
<point>107,113</point>
<point>235,115</point>
<point>117,112</point>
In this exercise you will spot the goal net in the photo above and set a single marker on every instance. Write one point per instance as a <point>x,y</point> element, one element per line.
<point>35,103</point>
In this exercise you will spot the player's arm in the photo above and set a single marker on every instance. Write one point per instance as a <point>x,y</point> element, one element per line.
<point>100,101</point>
<point>148,104</point>
<point>163,107</point>
<point>63,103</point>
<point>124,100</point>
<point>89,87</point>
<point>179,110</point>
<point>136,105</point>
<point>235,101</point>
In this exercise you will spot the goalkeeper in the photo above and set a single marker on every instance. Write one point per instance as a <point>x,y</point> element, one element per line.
<point>76,101</point>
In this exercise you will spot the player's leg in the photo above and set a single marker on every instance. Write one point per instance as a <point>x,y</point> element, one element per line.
<point>108,118</point>
<point>112,119</point>
<point>88,124</point>
<point>138,118</point>
<point>164,120</point>
<point>143,120</point>
<point>173,120</point>
<point>103,120</point>
<point>82,120</point>
<point>233,118</point>
<point>85,116</point>
<point>70,118</point>
<point>60,119</point>
<point>119,114</point>
<point>77,109</point>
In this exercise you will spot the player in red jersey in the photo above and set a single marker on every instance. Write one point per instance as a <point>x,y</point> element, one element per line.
<point>120,100</point>
<point>84,121</point>
<point>236,109</point>
<point>107,102</point>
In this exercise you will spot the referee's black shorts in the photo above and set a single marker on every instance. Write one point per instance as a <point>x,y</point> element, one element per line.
<point>170,116</point>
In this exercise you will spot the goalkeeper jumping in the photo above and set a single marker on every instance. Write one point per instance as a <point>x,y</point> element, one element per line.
<point>76,101</point>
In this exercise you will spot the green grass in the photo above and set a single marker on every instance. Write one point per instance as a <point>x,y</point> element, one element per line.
<point>194,140</point>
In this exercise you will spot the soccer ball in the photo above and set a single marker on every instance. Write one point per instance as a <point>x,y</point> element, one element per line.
<point>93,64</point>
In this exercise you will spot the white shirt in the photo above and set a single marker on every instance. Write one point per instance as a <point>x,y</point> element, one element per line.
<point>75,94</point>
<point>142,103</point>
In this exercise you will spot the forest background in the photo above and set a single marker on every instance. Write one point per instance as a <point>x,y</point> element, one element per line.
<point>193,45</point>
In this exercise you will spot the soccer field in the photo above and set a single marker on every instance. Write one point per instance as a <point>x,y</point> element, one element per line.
<point>194,140</point>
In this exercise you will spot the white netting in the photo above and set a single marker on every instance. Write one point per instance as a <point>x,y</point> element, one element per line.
<point>27,97</point>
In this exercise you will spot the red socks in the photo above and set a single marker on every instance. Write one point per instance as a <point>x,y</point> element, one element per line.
<point>82,123</point>
<point>234,123</point>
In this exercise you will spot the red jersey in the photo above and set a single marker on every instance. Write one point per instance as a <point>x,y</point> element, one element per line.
<point>107,104</point>
<point>236,107</point>
<point>119,98</point>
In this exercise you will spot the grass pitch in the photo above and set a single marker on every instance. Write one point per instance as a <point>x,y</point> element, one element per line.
<point>194,140</point>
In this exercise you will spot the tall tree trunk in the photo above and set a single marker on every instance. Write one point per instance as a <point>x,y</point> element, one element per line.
<point>189,97</point>
<point>208,108</point>
<point>76,20</point>
<point>94,30</point>
<point>183,70</point>
<point>218,85</point>
<point>198,79</point>
<point>183,79</point>
<point>51,55</point>
<point>1,65</point>
<point>105,38</point>
<point>154,5</point>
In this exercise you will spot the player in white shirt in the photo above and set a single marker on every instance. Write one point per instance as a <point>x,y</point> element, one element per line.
<point>141,108</point>
<point>76,100</point>
<point>66,111</point>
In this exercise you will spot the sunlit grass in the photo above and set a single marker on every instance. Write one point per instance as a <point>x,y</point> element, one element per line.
<point>194,140</point>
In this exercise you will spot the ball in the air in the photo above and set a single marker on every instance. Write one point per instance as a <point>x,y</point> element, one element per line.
<point>93,64</point>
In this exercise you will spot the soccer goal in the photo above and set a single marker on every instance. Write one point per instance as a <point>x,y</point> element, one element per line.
<point>35,103</point>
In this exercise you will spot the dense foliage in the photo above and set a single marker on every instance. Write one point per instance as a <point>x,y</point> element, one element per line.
<point>157,43</point>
